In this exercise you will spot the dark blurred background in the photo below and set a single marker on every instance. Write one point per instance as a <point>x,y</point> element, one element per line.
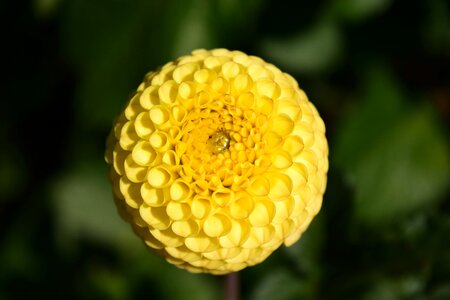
<point>377,70</point>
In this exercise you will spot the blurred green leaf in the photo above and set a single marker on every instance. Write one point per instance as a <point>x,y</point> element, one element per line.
<point>112,285</point>
<point>186,285</point>
<point>165,281</point>
<point>305,253</point>
<point>395,288</point>
<point>381,291</point>
<point>396,158</point>
<point>436,33</point>
<point>234,22</point>
<point>441,293</point>
<point>279,284</point>
<point>314,50</point>
<point>17,257</point>
<point>45,8</point>
<point>13,173</point>
<point>193,30</point>
<point>112,44</point>
<point>84,208</point>
<point>359,10</point>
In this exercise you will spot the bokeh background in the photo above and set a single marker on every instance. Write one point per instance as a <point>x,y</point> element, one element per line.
<point>377,70</point>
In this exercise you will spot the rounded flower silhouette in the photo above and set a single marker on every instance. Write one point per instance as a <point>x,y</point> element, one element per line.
<point>217,160</point>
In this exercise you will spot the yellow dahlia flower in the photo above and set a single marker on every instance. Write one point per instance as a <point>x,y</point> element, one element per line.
<point>217,160</point>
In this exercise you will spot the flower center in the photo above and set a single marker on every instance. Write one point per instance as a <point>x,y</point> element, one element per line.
<point>222,146</point>
<point>220,141</point>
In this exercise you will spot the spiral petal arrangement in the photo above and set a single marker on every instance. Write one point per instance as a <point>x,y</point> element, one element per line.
<point>217,160</point>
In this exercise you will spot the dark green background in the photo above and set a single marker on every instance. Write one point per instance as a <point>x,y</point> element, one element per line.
<point>377,70</point>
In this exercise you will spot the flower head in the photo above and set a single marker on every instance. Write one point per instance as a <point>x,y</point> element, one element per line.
<point>217,160</point>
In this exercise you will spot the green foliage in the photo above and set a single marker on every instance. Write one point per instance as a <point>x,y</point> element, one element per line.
<point>377,70</point>
<point>394,156</point>
<point>83,208</point>
<point>316,50</point>
<point>360,10</point>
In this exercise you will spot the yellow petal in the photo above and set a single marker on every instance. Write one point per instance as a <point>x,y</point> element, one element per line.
<point>130,192</point>
<point>149,97</point>
<point>143,125</point>
<point>241,207</point>
<point>185,228</point>
<point>134,172</point>
<point>200,207</point>
<point>216,225</point>
<point>143,153</point>
<point>280,185</point>
<point>185,72</point>
<point>159,115</point>
<point>168,92</point>
<point>293,145</point>
<point>223,197</point>
<point>178,210</point>
<point>238,234</point>
<point>152,196</point>
<point>159,177</point>
<point>230,69</point>
<point>268,88</point>
<point>281,160</point>
<point>259,186</point>
<point>282,125</point>
<point>262,214</point>
<point>180,190</point>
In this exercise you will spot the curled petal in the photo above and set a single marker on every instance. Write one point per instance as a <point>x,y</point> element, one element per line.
<point>268,88</point>
<point>160,141</point>
<point>149,97</point>
<point>280,185</point>
<point>130,192</point>
<point>143,125</point>
<point>242,207</point>
<point>262,214</point>
<point>246,100</point>
<point>180,190</point>
<point>203,76</point>
<point>143,153</point>
<point>159,177</point>
<point>282,125</point>
<point>153,197</point>
<point>223,197</point>
<point>185,72</point>
<point>257,71</point>
<point>264,105</point>
<point>185,228</point>
<point>259,186</point>
<point>272,141</point>
<point>159,115</point>
<point>134,172</point>
<point>167,237</point>
<point>281,160</point>
<point>178,210</point>
<point>216,225</point>
<point>200,244</point>
<point>170,158</point>
<point>128,136</point>
<point>293,145</point>
<point>155,217</point>
<point>134,107</point>
<point>230,69</point>
<point>259,236</point>
<point>237,235</point>
<point>168,92</point>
